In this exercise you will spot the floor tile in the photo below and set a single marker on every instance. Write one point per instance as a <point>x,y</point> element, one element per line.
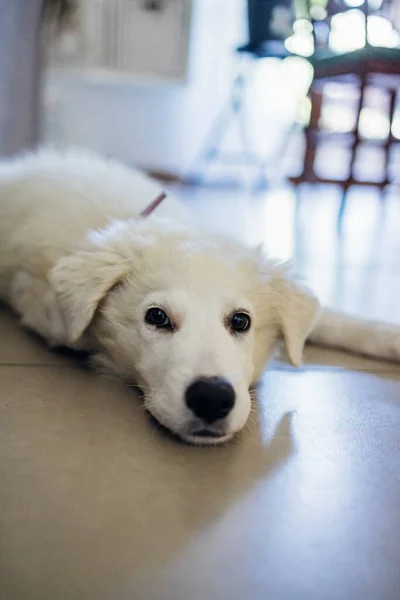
<point>97,503</point>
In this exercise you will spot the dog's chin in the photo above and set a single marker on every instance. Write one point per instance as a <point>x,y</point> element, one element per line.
<point>205,438</point>
<point>197,437</point>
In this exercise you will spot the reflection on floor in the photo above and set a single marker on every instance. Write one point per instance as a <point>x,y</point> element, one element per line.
<point>353,264</point>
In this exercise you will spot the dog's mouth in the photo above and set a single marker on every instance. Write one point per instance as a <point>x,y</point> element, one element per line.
<point>207,433</point>
<point>207,437</point>
<point>198,437</point>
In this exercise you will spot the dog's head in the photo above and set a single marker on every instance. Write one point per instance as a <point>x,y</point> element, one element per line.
<point>192,319</point>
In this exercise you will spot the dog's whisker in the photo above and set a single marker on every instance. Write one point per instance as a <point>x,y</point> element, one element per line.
<point>139,387</point>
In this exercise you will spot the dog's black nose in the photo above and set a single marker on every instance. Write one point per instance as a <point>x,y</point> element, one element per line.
<point>210,398</point>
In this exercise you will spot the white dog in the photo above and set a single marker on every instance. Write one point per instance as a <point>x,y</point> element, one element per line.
<point>190,316</point>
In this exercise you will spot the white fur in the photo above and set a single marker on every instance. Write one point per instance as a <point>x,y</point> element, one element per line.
<point>81,269</point>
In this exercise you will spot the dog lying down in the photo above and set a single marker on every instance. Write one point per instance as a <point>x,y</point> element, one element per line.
<point>189,316</point>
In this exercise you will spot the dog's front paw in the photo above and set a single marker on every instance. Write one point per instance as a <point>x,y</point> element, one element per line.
<point>21,291</point>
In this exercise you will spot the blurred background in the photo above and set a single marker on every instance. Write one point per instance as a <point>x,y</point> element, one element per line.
<point>275,120</point>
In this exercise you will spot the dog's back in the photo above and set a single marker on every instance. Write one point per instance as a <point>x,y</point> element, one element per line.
<point>49,200</point>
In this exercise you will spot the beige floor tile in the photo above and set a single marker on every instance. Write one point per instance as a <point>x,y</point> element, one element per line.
<point>97,503</point>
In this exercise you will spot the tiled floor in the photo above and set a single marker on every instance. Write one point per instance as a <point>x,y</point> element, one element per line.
<point>98,504</point>
<point>353,265</point>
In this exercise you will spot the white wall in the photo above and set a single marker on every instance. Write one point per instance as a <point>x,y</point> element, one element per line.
<point>157,125</point>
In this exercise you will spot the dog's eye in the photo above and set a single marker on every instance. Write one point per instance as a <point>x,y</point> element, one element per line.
<point>158,318</point>
<point>240,322</point>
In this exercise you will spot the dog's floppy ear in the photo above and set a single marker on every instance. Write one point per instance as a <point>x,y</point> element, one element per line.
<point>81,281</point>
<point>297,310</point>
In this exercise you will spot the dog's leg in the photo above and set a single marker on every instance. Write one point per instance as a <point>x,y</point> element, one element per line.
<point>370,338</point>
<point>35,302</point>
